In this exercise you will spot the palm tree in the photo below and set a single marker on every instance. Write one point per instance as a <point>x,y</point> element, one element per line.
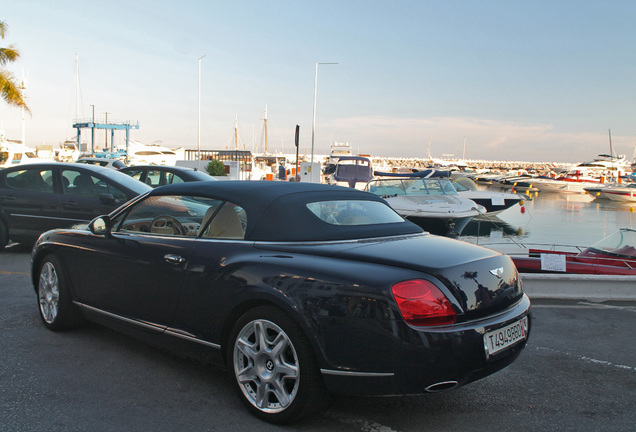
<point>10,88</point>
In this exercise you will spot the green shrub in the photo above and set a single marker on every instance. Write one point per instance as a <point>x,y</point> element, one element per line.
<point>216,168</point>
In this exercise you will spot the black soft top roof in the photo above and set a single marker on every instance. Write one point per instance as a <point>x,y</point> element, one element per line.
<point>277,211</point>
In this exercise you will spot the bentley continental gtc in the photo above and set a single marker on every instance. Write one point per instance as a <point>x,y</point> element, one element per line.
<point>300,290</point>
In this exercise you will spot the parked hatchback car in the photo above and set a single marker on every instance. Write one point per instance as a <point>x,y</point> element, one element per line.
<point>38,197</point>
<point>299,289</point>
<point>160,175</point>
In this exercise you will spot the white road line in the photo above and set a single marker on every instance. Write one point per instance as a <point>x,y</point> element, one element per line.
<point>589,359</point>
<point>584,305</point>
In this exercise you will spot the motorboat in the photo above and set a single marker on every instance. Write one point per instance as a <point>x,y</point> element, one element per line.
<point>432,203</point>
<point>494,202</point>
<point>150,154</point>
<point>15,153</point>
<point>614,255</point>
<point>615,192</point>
<point>351,171</point>
<point>585,175</point>
<point>338,150</point>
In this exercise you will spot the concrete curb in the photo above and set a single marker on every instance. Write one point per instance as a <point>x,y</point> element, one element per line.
<point>596,288</point>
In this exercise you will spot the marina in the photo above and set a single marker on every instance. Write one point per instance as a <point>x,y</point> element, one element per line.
<point>575,220</point>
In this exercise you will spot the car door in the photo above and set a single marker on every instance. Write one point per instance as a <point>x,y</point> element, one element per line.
<point>137,271</point>
<point>28,199</point>
<point>85,195</point>
<point>210,278</point>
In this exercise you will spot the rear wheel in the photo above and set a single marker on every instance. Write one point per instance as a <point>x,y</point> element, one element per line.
<point>56,307</point>
<point>274,368</point>
<point>4,235</point>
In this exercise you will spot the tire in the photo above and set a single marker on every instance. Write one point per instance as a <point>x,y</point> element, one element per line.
<point>274,368</point>
<point>55,304</point>
<point>4,235</point>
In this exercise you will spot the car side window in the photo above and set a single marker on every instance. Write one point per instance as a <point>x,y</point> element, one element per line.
<point>226,222</point>
<point>83,184</point>
<point>173,178</point>
<point>31,179</point>
<point>172,215</point>
<point>136,174</point>
<point>78,183</point>
<point>185,216</point>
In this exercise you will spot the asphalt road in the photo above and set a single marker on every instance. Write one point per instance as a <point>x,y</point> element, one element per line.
<point>578,373</point>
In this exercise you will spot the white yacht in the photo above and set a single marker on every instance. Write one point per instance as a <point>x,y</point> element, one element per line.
<point>432,203</point>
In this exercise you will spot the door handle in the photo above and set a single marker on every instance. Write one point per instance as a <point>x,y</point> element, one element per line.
<point>174,259</point>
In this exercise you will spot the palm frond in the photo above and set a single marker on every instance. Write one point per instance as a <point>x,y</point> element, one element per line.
<point>10,91</point>
<point>9,54</point>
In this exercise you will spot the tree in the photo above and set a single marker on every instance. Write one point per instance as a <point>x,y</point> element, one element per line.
<point>10,88</point>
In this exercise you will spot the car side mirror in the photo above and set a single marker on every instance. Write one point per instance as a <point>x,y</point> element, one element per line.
<point>100,225</point>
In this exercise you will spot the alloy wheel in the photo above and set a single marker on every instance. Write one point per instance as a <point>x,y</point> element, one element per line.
<point>49,292</point>
<point>266,366</point>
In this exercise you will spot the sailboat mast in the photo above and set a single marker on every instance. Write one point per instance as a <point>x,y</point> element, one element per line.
<point>609,131</point>
<point>236,133</point>
<point>265,119</point>
<point>464,152</point>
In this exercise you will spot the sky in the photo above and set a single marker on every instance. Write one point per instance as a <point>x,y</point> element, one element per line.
<point>542,80</point>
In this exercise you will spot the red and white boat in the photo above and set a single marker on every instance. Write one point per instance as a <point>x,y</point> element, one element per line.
<point>586,175</point>
<point>614,255</point>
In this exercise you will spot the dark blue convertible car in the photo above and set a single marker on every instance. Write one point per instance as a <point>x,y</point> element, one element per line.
<point>301,290</point>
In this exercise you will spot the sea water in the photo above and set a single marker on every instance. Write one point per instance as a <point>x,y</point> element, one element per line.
<point>551,220</point>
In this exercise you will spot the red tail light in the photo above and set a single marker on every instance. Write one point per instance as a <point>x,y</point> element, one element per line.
<point>421,303</point>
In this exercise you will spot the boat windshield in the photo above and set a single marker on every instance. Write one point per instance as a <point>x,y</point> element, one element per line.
<point>411,186</point>
<point>622,243</point>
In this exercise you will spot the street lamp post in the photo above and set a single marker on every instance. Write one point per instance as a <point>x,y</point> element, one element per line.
<point>106,132</point>
<point>199,119</point>
<point>313,126</point>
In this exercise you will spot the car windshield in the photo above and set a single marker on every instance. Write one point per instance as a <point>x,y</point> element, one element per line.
<point>354,212</point>
<point>622,242</point>
<point>411,186</point>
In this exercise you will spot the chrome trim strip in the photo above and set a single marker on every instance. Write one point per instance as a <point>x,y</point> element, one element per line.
<point>47,217</point>
<point>154,327</point>
<point>176,333</point>
<point>324,242</point>
<point>356,374</point>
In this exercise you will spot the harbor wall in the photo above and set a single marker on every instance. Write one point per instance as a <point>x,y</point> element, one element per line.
<point>595,288</point>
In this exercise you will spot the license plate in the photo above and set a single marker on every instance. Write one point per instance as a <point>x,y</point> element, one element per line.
<point>500,339</point>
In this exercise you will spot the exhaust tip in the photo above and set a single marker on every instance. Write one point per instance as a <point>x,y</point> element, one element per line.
<point>442,386</point>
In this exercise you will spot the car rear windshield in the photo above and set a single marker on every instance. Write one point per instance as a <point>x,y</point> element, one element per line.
<point>355,212</point>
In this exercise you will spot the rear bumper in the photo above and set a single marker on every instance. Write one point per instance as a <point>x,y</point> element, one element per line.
<point>398,359</point>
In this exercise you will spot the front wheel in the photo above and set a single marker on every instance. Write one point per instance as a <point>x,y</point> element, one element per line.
<point>56,307</point>
<point>274,368</point>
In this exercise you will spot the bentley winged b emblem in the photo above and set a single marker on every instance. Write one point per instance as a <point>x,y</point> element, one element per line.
<point>498,272</point>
